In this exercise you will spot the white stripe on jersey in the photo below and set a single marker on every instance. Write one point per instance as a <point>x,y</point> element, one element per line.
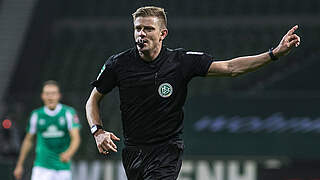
<point>69,119</point>
<point>33,123</point>
<point>194,53</point>
<point>101,71</point>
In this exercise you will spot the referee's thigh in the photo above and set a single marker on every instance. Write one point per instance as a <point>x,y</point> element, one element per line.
<point>166,166</point>
<point>158,162</point>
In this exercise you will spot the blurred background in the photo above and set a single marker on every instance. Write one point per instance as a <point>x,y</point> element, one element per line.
<point>259,126</point>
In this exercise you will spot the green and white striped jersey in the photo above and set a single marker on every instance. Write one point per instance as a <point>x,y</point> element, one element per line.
<point>52,130</point>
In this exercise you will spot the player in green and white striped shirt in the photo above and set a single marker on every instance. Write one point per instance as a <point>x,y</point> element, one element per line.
<point>56,127</point>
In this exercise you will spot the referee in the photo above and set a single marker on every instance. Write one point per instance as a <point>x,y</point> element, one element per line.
<point>153,81</point>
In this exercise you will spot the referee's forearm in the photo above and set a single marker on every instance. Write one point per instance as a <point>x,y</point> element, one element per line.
<point>92,108</point>
<point>93,114</point>
<point>246,64</point>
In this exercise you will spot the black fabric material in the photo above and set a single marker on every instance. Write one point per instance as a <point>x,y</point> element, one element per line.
<point>155,162</point>
<point>148,117</point>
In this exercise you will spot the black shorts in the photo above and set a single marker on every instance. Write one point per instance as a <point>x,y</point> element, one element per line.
<point>162,161</point>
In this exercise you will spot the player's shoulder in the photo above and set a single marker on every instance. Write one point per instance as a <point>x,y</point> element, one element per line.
<point>37,111</point>
<point>68,108</point>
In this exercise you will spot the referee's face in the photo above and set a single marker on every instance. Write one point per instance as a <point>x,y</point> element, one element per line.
<point>149,30</point>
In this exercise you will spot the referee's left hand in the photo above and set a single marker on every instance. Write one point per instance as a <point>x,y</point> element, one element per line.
<point>288,41</point>
<point>104,141</point>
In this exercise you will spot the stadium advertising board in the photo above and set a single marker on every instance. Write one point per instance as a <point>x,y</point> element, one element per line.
<point>191,170</point>
<point>252,126</point>
<point>204,169</point>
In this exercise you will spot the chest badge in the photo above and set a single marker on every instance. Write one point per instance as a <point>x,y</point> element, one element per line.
<point>42,122</point>
<point>62,121</point>
<point>165,90</point>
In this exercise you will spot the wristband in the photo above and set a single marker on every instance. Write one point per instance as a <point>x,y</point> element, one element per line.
<point>272,56</point>
<point>95,128</point>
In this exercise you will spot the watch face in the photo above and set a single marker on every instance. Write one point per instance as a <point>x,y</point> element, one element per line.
<point>94,128</point>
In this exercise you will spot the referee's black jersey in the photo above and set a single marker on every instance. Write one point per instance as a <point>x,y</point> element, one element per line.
<point>152,94</point>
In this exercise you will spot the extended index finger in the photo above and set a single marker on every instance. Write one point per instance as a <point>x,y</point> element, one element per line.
<point>291,31</point>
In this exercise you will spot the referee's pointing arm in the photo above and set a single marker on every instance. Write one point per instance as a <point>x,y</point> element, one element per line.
<point>241,65</point>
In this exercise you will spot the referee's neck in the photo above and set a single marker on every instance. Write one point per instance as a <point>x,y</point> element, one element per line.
<point>150,55</point>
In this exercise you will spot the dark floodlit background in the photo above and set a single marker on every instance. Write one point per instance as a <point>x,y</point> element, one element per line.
<point>269,118</point>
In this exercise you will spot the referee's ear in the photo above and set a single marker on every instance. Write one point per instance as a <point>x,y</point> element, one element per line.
<point>164,33</point>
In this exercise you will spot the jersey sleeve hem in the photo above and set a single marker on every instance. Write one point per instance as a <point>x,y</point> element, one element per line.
<point>206,69</point>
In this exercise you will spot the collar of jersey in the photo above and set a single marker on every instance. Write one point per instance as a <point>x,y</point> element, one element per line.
<point>156,59</point>
<point>53,112</point>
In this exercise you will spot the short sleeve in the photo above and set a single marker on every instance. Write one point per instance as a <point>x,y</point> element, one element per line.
<point>106,79</point>
<point>32,124</point>
<point>195,64</point>
<point>72,119</point>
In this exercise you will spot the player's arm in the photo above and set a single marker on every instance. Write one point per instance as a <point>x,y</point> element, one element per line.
<point>103,138</point>
<point>73,147</point>
<point>25,149</point>
<point>241,65</point>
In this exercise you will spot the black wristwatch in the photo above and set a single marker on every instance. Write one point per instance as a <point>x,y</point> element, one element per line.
<point>272,56</point>
<point>95,128</point>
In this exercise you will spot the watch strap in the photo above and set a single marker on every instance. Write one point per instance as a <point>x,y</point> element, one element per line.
<point>272,56</point>
<point>95,128</point>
